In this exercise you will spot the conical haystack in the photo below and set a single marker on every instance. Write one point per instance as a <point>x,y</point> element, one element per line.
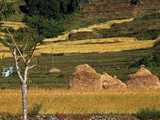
<point>143,78</point>
<point>112,83</point>
<point>85,78</point>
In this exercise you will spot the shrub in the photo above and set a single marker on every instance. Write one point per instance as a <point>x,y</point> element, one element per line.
<point>157,52</point>
<point>148,114</point>
<point>51,8</point>
<point>7,10</point>
<point>48,17</point>
<point>35,110</point>
<point>147,61</point>
<point>46,27</point>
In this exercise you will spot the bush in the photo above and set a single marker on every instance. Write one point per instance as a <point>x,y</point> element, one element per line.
<point>7,10</point>
<point>46,27</point>
<point>148,114</point>
<point>148,60</point>
<point>48,17</point>
<point>149,34</point>
<point>156,52</point>
<point>51,8</point>
<point>35,110</point>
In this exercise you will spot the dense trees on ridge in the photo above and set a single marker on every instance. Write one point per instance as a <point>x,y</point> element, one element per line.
<point>50,8</point>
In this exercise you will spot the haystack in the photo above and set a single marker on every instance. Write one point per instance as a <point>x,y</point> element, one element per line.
<point>112,83</point>
<point>143,78</point>
<point>86,78</point>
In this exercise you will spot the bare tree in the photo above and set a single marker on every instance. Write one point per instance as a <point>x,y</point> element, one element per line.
<point>22,52</point>
<point>22,44</point>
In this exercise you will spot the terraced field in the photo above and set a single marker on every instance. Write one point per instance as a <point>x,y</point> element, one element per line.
<point>112,55</point>
<point>114,63</point>
<point>119,46</point>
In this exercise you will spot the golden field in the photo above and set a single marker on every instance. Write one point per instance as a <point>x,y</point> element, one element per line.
<point>66,101</point>
<point>95,45</point>
<point>88,46</point>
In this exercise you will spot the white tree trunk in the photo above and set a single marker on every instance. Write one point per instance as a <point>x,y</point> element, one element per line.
<point>23,77</point>
<point>24,100</point>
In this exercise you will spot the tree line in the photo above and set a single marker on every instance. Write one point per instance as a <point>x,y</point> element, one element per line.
<point>49,8</point>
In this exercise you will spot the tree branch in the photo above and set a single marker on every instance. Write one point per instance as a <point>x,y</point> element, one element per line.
<point>16,46</point>
<point>17,65</point>
<point>32,53</point>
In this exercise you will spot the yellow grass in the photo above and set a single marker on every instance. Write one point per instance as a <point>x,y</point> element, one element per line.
<point>87,46</point>
<point>108,25</point>
<point>66,101</point>
<point>12,24</point>
<point>4,52</point>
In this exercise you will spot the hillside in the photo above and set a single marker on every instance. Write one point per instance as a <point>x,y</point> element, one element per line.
<point>117,9</point>
<point>99,59</point>
<point>118,44</point>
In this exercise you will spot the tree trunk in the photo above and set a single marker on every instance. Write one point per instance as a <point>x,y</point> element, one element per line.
<point>24,100</point>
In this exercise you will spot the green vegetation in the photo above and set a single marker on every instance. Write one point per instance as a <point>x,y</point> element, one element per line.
<point>50,8</point>
<point>144,27</point>
<point>151,60</point>
<point>6,10</point>
<point>114,63</point>
<point>47,28</point>
<point>148,114</point>
<point>48,17</point>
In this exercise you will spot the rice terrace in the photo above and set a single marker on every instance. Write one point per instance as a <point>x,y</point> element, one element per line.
<point>79,60</point>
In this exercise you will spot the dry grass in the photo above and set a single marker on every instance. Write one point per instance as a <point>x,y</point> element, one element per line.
<point>66,101</point>
<point>108,25</point>
<point>95,45</point>
<point>12,24</point>
<point>4,52</point>
<point>88,46</point>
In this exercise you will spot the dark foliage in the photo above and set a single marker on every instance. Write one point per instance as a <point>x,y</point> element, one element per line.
<point>47,16</point>
<point>151,60</point>
<point>148,114</point>
<point>6,9</point>
<point>45,27</point>
<point>49,8</point>
<point>135,2</point>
